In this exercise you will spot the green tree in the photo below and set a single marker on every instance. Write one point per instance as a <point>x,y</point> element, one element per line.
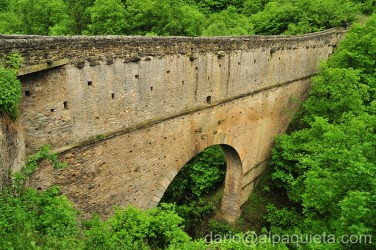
<point>132,228</point>
<point>10,23</point>
<point>218,5</point>
<point>228,22</point>
<point>337,90</point>
<point>166,18</point>
<point>358,51</point>
<point>199,176</point>
<point>42,17</point>
<point>367,6</point>
<point>177,18</point>
<point>299,17</point>
<point>107,18</point>
<point>328,168</point>
<point>251,7</point>
<point>78,11</point>
<point>31,220</point>
<point>10,86</point>
<point>4,5</point>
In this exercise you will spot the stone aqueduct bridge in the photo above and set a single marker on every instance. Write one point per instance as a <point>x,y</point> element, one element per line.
<point>127,113</point>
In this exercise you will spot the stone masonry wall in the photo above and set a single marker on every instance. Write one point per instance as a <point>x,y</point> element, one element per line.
<point>12,149</point>
<point>116,84</point>
<point>127,113</point>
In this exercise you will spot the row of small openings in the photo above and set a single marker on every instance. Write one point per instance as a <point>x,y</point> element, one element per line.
<point>138,76</point>
<point>208,100</point>
<point>65,104</point>
<point>220,65</point>
<point>90,83</point>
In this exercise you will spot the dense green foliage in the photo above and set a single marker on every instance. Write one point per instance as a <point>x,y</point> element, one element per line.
<point>31,219</point>
<point>133,228</point>
<point>299,17</point>
<point>198,177</point>
<point>10,86</point>
<point>46,220</point>
<point>177,17</point>
<point>227,23</point>
<point>328,167</point>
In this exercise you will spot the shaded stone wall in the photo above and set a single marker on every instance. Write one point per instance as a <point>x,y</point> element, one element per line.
<point>12,149</point>
<point>127,113</point>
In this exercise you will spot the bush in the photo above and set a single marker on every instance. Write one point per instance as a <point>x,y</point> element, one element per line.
<point>37,219</point>
<point>132,228</point>
<point>328,167</point>
<point>199,176</point>
<point>10,86</point>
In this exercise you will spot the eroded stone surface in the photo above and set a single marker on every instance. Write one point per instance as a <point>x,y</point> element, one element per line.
<point>128,112</point>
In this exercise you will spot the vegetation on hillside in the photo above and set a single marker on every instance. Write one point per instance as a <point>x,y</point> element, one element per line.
<point>177,17</point>
<point>328,167</point>
<point>187,191</point>
<point>10,86</point>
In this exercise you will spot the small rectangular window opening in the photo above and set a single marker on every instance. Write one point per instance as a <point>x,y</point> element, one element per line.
<point>89,83</point>
<point>27,93</point>
<point>65,105</point>
<point>209,99</point>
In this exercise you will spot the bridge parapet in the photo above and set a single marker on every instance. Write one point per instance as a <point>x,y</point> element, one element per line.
<point>108,85</point>
<point>44,49</point>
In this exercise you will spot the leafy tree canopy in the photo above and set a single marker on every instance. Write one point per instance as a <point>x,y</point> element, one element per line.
<point>328,167</point>
<point>179,17</point>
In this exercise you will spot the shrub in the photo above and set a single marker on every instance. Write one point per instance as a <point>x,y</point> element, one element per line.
<point>10,86</point>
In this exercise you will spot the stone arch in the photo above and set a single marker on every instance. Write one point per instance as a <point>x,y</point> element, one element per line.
<point>231,200</point>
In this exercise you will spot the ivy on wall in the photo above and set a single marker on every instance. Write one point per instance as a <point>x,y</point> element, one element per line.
<point>10,86</point>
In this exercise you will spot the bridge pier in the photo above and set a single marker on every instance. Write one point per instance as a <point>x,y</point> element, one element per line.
<point>231,200</point>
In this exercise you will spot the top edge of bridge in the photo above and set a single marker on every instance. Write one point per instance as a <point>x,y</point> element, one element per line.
<point>44,52</point>
<point>163,38</point>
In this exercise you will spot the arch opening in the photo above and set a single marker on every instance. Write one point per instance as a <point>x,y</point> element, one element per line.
<point>210,185</point>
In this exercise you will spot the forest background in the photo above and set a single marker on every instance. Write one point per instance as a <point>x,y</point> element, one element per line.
<point>323,167</point>
<point>176,17</point>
